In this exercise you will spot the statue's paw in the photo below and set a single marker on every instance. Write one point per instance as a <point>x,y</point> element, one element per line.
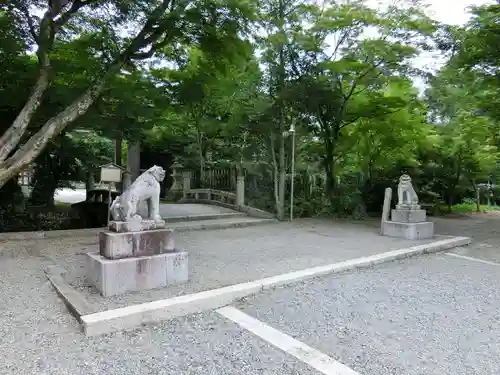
<point>136,218</point>
<point>158,218</point>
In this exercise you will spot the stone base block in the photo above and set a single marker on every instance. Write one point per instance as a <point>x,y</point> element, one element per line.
<point>112,277</point>
<point>114,245</point>
<point>135,226</point>
<point>410,231</point>
<point>408,207</point>
<point>408,216</point>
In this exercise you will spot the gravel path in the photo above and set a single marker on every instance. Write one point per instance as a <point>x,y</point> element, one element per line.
<point>203,344</point>
<point>427,315</point>
<point>224,257</point>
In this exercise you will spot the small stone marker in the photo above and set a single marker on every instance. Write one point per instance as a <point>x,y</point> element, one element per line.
<point>386,208</point>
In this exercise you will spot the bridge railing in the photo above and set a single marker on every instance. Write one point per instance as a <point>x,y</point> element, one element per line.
<point>235,201</point>
<point>212,195</point>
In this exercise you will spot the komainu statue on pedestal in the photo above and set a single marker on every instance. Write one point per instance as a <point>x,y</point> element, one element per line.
<point>145,188</point>
<point>406,194</point>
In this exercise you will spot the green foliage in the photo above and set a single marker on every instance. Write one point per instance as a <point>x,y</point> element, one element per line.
<point>218,84</point>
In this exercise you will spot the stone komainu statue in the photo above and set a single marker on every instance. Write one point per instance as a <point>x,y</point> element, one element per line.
<point>145,188</point>
<point>406,193</point>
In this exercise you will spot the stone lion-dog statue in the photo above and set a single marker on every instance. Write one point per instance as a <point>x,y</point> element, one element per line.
<point>145,188</point>
<point>406,193</point>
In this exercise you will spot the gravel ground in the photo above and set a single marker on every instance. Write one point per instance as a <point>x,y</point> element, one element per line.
<point>428,315</point>
<point>485,230</point>
<point>203,344</point>
<point>39,336</point>
<point>228,256</point>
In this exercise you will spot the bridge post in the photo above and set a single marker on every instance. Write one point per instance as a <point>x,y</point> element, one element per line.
<point>240,191</point>
<point>186,183</point>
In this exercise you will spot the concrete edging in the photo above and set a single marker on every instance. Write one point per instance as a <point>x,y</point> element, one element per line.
<point>156,311</point>
<point>90,232</point>
<point>76,304</point>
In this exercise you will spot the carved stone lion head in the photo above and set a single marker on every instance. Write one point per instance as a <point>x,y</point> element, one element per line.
<point>405,178</point>
<point>157,172</point>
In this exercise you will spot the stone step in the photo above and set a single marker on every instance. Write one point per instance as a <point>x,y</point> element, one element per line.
<point>237,222</point>
<point>233,221</point>
<point>229,215</point>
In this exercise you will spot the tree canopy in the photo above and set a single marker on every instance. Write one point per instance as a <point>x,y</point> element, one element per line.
<point>220,83</point>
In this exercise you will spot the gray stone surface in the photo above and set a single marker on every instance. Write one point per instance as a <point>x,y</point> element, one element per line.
<point>204,344</point>
<point>114,245</point>
<point>408,216</point>
<point>135,226</point>
<point>146,188</point>
<point>40,337</point>
<point>409,231</point>
<point>430,315</point>
<point>189,209</point>
<point>113,277</point>
<point>224,257</point>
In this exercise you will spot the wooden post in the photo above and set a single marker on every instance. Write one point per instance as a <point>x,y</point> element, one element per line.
<point>386,208</point>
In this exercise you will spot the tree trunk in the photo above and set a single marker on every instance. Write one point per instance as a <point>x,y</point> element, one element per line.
<point>478,197</point>
<point>280,204</point>
<point>277,178</point>
<point>10,139</point>
<point>118,150</point>
<point>89,182</point>
<point>27,153</point>
<point>328,164</point>
<point>281,188</point>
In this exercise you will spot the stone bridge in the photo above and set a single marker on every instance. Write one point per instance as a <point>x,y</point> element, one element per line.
<point>234,200</point>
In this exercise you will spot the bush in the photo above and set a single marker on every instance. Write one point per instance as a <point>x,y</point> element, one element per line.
<point>34,221</point>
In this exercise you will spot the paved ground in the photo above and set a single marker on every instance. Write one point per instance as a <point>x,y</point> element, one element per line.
<point>70,196</point>
<point>187,209</point>
<point>229,256</point>
<point>430,315</point>
<point>167,210</point>
<point>436,314</point>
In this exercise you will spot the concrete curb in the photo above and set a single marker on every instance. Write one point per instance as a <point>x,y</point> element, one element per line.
<point>74,301</point>
<point>156,311</point>
<point>23,236</point>
<point>215,225</point>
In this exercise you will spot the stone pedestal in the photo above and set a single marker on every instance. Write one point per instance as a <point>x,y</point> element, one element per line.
<point>112,277</point>
<point>408,216</point>
<point>409,231</point>
<point>135,256</point>
<point>408,222</point>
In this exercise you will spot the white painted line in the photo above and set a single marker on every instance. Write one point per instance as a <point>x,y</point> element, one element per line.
<point>156,311</point>
<point>473,259</point>
<point>314,358</point>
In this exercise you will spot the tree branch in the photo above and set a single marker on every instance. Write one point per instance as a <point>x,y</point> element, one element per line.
<point>60,19</point>
<point>53,127</point>
<point>13,134</point>
<point>29,21</point>
<point>48,28</point>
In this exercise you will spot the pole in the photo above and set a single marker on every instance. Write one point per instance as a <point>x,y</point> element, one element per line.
<point>109,201</point>
<point>293,175</point>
